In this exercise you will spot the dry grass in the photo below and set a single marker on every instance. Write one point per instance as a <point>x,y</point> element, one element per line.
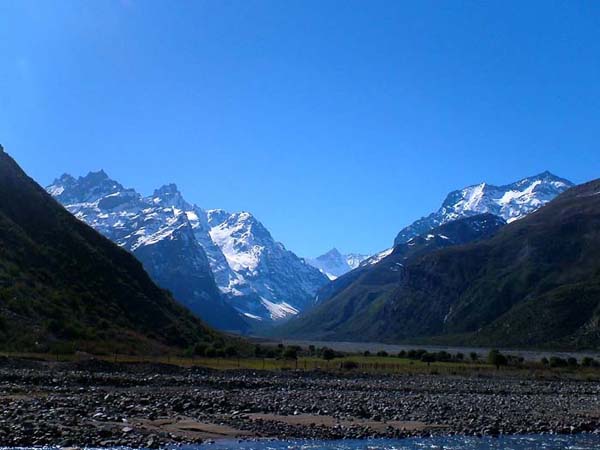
<point>371,364</point>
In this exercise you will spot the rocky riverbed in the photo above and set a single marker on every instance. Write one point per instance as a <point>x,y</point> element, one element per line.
<point>95,403</point>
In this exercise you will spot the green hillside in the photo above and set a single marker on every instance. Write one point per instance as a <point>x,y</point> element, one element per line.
<point>63,283</point>
<point>535,283</point>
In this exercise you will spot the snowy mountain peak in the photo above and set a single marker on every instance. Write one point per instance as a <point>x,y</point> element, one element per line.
<point>89,188</point>
<point>169,196</point>
<point>510,202</point>
<point>334,264</point>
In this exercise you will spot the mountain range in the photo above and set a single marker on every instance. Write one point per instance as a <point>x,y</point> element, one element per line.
<point>534,282</point>
<point>226,267</point>
<point>61,282</point>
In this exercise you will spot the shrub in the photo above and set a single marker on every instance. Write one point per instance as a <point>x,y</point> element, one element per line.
<point>349,365</point>
<point>442,356</point>
<point>556,361</point>
<point>497,359</point>
<point>572,362</point>
<point>290,353</point>
<point>428,358</point>
<point>588,362</point>
<point>327,354</point>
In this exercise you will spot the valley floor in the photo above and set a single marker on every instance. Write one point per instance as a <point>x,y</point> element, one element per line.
<point>99,403</point>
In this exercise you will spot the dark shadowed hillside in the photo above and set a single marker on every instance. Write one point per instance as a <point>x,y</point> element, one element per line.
<point>61,281</point>
<point>534,283</point>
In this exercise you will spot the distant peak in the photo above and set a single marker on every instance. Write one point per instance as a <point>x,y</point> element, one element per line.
<point>244,215</point>
<point>548,174</point>
<point>333,252</point>
<point>167,189</point>
<point>64,179</point>
<point>97,176</point>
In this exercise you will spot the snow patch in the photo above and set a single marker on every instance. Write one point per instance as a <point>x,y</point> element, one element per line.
<point>279,311</point>
<point>378,257</point>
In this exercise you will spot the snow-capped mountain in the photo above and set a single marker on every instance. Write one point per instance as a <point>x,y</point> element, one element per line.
<point>334,264</point>
<point>269,281</point>
<point>510,202</point>
<point>221,265</point>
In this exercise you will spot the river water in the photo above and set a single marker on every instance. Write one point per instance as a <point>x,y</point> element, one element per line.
<point>530,442</point>
<point>533,442</point>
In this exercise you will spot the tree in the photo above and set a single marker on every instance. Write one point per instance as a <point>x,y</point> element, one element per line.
<point>328,354</point>
<point>428,358</point>
<point>556,361</point>
<point>474,356</point>
<point>290,353</point>
<point>497,359</point>
<point>382,353</point>
<point>572,362</point>
<point>588,362</point>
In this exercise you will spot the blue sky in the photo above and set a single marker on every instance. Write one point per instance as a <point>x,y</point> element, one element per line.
<point>335,122</point>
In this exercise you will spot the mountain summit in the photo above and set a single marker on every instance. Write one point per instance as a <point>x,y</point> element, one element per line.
<point>511,202</point>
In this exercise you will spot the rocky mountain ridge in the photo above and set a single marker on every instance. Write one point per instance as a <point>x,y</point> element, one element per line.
<point>257,278</point>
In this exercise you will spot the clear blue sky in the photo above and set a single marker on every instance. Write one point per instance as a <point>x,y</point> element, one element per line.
<point>335,122</point>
